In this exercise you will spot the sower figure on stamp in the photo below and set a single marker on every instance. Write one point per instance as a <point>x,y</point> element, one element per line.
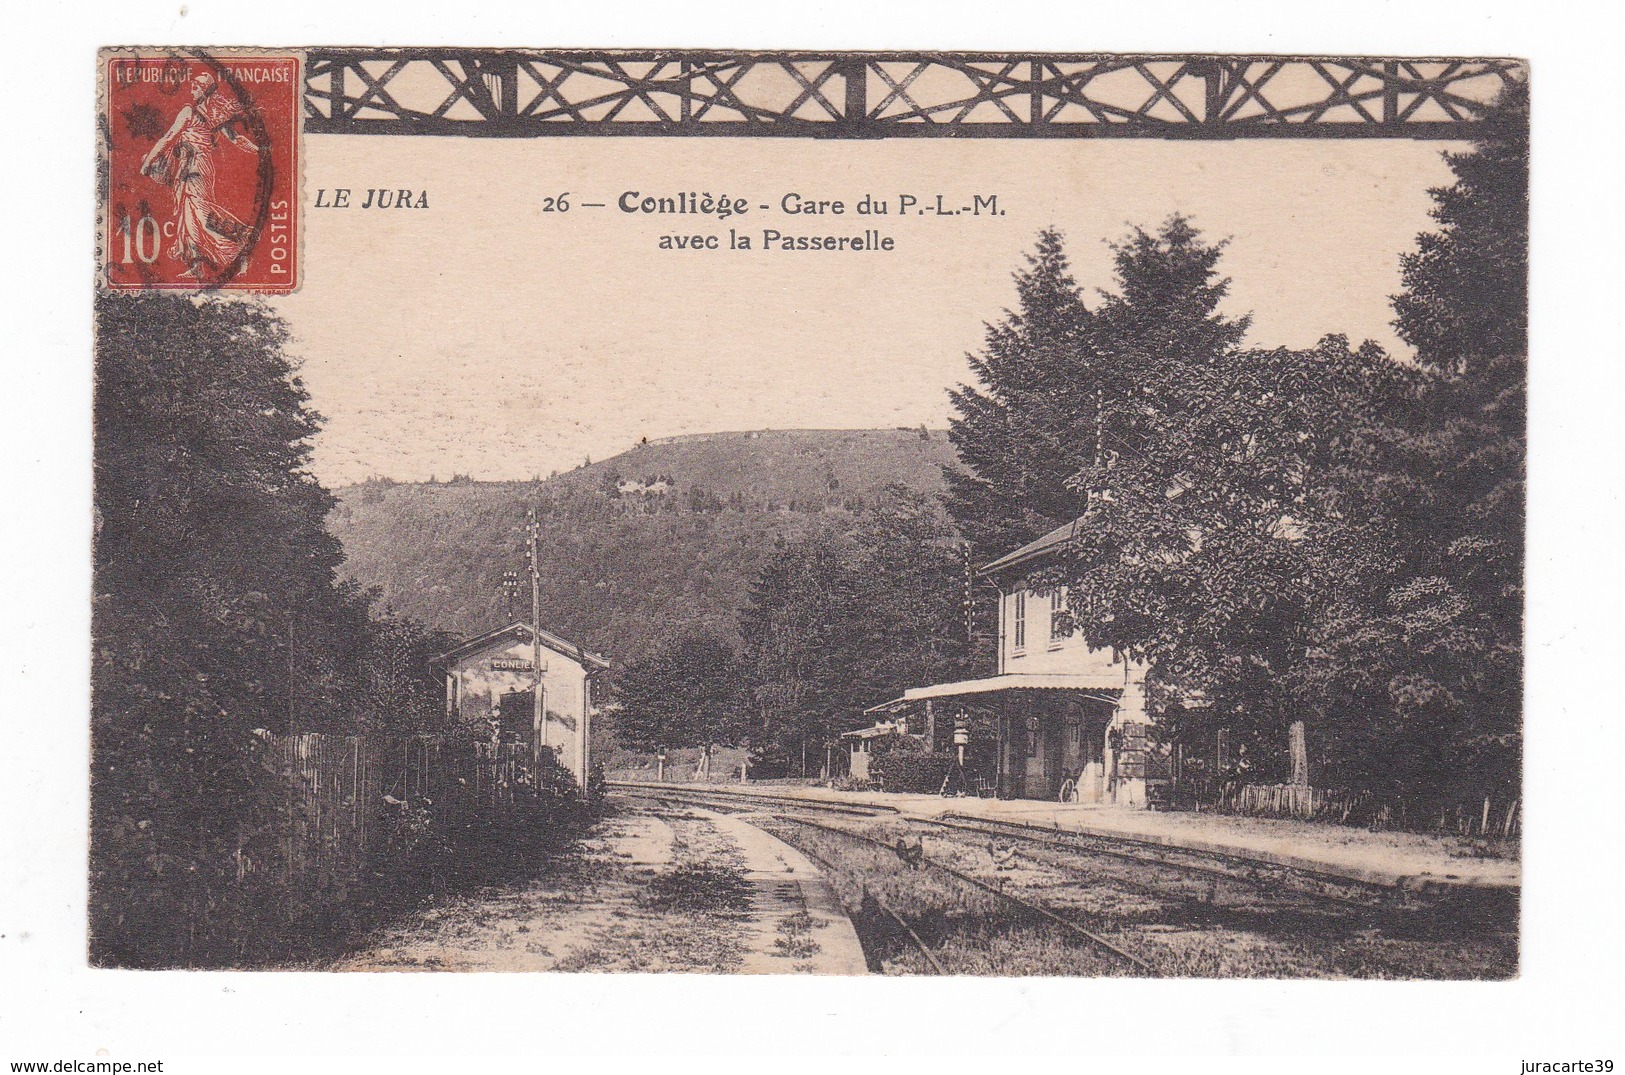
<point>209,238</point>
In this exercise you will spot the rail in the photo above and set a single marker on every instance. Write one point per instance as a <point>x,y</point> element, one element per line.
<point>1256,873</point>
<point>860,809</point>
<point>999,893</point>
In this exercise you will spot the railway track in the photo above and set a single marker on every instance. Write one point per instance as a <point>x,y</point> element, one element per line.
<point>1024,906</point>
<point>1261,877</point>
<point>735,797</point>
<point>1138,907</point>
<point>789,808</point>
<point>1257,877</point>
<point>866,894</point>
<point>885,908</point>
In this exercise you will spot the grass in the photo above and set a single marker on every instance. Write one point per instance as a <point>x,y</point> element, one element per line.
<point>795,939</point>
<point>682,920</point>
<point>699,887</point>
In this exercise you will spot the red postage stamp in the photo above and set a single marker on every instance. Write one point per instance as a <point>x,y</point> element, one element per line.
<point>201,156</point>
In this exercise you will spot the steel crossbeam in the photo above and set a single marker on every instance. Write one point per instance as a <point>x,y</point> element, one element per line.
<point>513,93</point>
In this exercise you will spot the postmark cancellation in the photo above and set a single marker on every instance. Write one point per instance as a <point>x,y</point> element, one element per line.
<point>200,170</point>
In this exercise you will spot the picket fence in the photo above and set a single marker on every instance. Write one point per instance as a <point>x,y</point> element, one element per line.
<point>1477,818</point>
<point>349,798</point>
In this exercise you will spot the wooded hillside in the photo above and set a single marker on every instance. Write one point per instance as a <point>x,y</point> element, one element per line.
<point>668,534</point>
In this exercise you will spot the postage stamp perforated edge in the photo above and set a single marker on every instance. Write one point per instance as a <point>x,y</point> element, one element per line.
<point>213,56</point>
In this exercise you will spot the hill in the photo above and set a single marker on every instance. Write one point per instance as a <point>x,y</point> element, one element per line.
<point>667,534</point>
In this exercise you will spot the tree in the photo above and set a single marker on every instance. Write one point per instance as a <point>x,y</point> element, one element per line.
<point>216,612</point>
<point>1440,659</point>
<point>1214,551</point>
<point>1466,298</point>
<point>1158,328</point>
<point>206,508</point>
<point>1064,388</point>
<point>1465,310</point>
<point>793,639</point>
<point>839,624</point>
<point>685,693</point>
<point>1017,430</point>
<point>402,692</point>
<point>906,616</point>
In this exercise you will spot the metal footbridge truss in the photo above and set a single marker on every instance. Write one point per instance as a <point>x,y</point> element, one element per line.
<point>521,93</point>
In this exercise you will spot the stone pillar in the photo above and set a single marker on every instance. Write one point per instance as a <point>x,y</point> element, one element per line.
<point>1299,749</point>
<point>1130,764</point>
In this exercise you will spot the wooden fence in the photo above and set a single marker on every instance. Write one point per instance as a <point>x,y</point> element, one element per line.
<point>348,798</point>
<point>1488,817</point>
<point>1281,800</point>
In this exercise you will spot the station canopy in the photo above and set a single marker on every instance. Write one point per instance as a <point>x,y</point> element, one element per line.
<point>1096,685</point>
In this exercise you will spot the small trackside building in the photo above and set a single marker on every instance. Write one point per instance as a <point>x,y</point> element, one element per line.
<point>1071,719</point>
<point>495,679</point>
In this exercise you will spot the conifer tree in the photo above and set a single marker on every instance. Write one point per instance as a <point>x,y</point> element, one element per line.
<point>794,649</point>
<point>1017,430</point>
<point>1436,659</point>
<point>1062,389</point>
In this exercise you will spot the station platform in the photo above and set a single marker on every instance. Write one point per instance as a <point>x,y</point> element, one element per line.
<point>1403,860</point>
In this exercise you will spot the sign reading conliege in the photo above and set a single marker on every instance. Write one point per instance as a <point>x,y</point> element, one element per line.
<point>510,664</point>
<point>200,164</point>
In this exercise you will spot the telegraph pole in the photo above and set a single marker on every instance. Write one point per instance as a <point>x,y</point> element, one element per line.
<point>510,594</point>
<point>532,546</point>
<point>970,599</point>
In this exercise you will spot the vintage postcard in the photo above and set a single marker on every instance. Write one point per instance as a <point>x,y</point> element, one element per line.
<point>809,513</point>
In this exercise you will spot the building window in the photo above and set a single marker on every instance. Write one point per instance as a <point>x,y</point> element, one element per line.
<point>1057,617</point>
<point>1018,629</point>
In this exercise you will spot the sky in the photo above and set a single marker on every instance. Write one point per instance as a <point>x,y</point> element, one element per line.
<point>485,335</point>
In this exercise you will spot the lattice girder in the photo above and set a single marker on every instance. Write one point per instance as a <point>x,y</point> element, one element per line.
<point>517,93</point>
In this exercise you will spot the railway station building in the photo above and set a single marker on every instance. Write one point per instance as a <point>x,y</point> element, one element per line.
<point>495,679</point>
<point>1070,719</point>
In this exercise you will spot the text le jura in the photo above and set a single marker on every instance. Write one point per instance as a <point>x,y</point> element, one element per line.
<point>371,198</point>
